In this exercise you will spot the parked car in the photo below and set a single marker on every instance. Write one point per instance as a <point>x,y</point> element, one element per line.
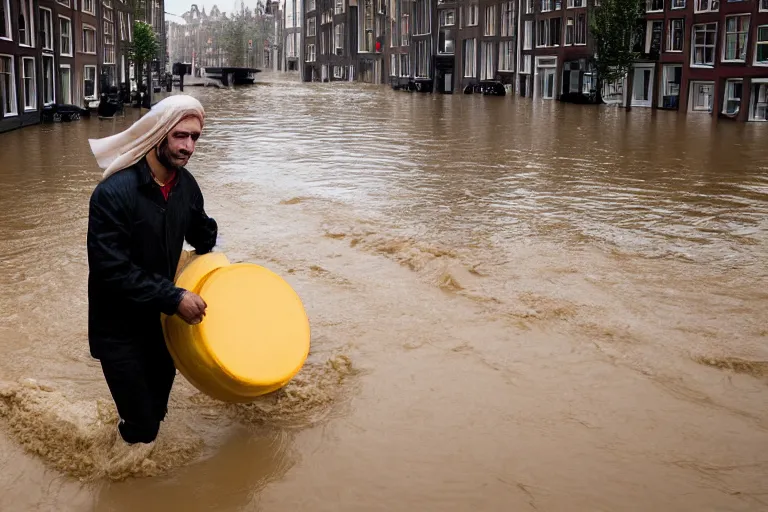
<point>64,112</point>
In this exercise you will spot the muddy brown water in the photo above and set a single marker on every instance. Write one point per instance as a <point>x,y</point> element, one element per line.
<point>515,305</point>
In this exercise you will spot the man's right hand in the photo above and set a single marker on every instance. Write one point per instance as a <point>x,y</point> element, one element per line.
<point>191,308</point>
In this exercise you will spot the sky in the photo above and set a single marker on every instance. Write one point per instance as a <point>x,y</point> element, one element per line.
<point>179,7</point>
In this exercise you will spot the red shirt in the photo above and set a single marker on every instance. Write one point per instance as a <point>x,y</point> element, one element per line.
<point>166,189</point>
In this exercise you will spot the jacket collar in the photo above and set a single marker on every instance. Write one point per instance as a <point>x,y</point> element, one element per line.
<point>145,173</point>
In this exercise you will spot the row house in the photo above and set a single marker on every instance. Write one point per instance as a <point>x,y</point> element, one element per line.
<point>292,15</point>
<point>344,40</point>
<point>60,52</point>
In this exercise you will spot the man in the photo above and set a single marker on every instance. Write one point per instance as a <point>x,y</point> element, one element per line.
<point>141,212</point>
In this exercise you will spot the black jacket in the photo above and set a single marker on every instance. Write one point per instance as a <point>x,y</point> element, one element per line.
<point>135,239</point>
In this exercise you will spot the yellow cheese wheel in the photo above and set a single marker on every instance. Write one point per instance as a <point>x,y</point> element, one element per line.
<point>254,337</point>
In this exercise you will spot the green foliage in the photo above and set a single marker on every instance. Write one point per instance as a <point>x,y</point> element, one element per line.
<point>145,44</point>
<point>614,29</point>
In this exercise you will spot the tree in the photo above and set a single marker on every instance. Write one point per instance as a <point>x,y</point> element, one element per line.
<point>143,49</point>
<point>614,29</point>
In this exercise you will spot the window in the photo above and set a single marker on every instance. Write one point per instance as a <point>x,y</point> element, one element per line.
<point>109,33</point>
<point>89,39</point>
<point>654,34</point>
<point>761,46</point>
<point>707,5</point>
<point>89,7</point>
<point>109,14</point>
<point>507,19</point>
<point>65,38</point>
<point>670,85</point>
<point>365,24</point>
<point>311,5</point>
<point>26,24</point>
<point>763,5</point>
<point>48,81</point>
<point>311,27</point>
<point>7,86</point>
<point>338,39</point>
<point>507,56</point>
<point>405,65</point>
<point>29,83</point>
<point>528,6</point>
<point>487,53</point>
<point>310,57</point>
<point>445,42</point>
<point>678,4</point>
<point>581,29</point>
<point>548,33</point>
<point>490,21</point>
<point>473,13</point>
<point>423,55</point>
<point>405,30</point>
<point>703,48</point>
<point>89,82</point>
<point>447,18</point>
<point>109,54</point>
<point>525,64</point>
<point>5,19</point>
<point>422,23</point>
<point>65,85</point>
<point>576,3</point>
<point>732,103</point>
<point>570,26</point>
<point>470,58</point>
<point>338,71</point>
<point>393,65</point>
<point>46,20</point>
<point>759,111</point>
<point>675,34</point>
<point>654,5</point>
<point>121,22</point>
<point>528,35</point>
<point>736,30</point>
<point>339,6</point>
<point>701,96</point>
<point>551,5</point>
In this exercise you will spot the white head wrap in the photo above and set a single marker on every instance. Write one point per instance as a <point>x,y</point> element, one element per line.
<point>124,149</point>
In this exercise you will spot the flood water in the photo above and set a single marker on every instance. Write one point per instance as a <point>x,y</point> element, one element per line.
<point>515,305</point>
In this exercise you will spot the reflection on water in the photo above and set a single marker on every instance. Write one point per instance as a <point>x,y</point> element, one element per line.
<point>540,297</point>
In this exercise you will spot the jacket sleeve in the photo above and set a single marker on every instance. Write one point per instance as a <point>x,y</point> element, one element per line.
<point>202,230</point>
<point>108,256</point>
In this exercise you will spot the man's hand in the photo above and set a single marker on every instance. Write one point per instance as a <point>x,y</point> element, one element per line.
<point>191,308</point>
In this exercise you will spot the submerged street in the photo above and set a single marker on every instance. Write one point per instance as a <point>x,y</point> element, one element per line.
<point>515,305</point>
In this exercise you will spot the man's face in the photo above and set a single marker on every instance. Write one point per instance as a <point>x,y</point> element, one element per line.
<point>178,146</point>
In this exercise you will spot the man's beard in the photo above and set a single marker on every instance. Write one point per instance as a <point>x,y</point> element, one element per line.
<point>166,157</point>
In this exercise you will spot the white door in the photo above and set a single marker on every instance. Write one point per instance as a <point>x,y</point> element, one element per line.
<point>642,88</point>
<point>547,83</point>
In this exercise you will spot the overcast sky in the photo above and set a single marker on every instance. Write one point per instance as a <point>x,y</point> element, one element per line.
<point>181,6</point>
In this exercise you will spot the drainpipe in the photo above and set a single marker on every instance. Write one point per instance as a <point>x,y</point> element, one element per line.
<point>518,44</point>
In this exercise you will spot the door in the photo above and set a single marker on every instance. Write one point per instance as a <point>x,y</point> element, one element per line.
<point>547,83</point>
<point>642,88</point>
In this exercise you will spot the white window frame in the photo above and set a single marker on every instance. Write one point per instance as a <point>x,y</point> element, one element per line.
<point>71,41</point>
<point>95,82</point>
<point>585,31</point>
<point>31,26</point>
<point>757,42</point>
<point>53,78</point>
<point>763,6</point>
<point>759,82</point>
<point>473,14</point>
<point>725,38</point>
<point>311,26</point>
<point>28,108</point>
<point>339,6</point>
<point>444,17</point>
<point>312,53</point>
<point>14,95</point>
<point>525,64</point>
<point>528,35</point>
<point>510,44</point>
<point>489,21</point>
<point>472,71</point>
<point>677,4</point>
<point>710,3</point>
<point>338,38</point>
<point>693,45</point>
<point>42,24</point>
<point>95,38</point>
<point>69,67</point>
<point>422,49</point>
<point>92,12</point>
<point>727,89</point>
<point>8,28</point>
<point>670,36</point>
<point>507,20</point>
<point>572,4</point>
<point>649,6</point>
<point>488,54</point>
<point>693,84</point>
